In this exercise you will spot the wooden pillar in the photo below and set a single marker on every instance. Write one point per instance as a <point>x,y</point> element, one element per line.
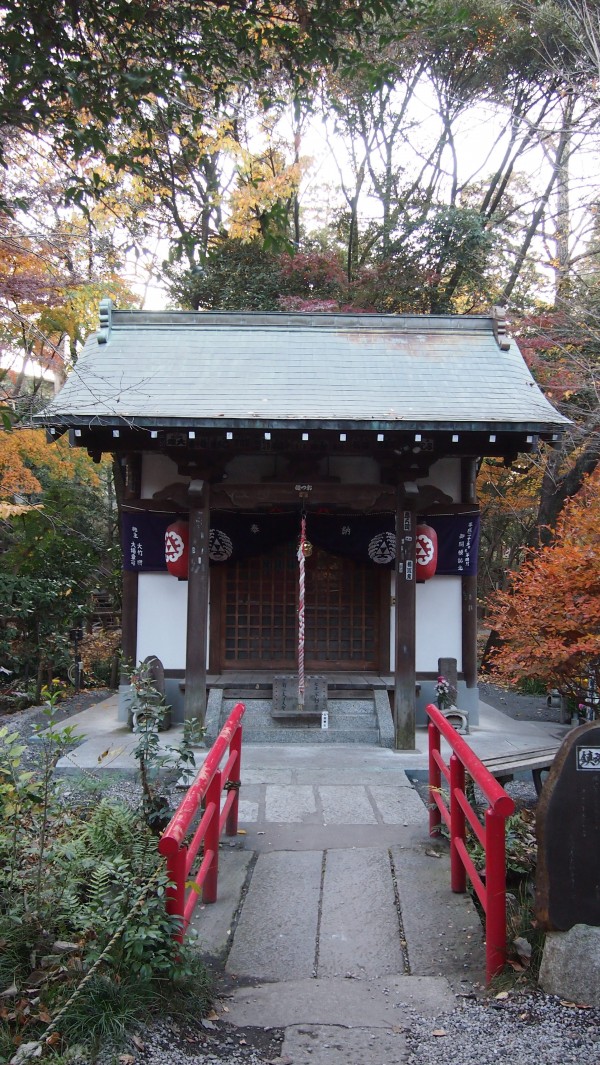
<point>405,675</point>
<point>129,622</point>
<point>197,605</point>
<point>469,586</point>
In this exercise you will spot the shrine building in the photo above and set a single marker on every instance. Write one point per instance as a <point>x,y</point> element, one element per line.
<point>237,434</point>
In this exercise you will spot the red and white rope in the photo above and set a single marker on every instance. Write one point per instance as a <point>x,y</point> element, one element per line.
<point>302,562</point>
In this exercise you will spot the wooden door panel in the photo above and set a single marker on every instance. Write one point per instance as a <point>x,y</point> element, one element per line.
<point>259,613</point>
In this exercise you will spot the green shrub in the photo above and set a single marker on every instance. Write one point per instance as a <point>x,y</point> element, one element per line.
<point>82,891</point>
<point>532,686</point>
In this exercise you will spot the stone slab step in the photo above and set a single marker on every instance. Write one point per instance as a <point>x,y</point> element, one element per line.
<point>336,720</point>
<point>310,735</point>
<point>384,1003</point>
<point>329,913</point>
<point>348,1022</point>
<point>334,1044</point>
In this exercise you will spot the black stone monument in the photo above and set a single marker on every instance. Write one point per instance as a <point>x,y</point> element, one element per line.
<point>568,831</point>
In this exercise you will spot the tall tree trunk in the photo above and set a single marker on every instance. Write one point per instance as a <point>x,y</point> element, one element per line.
<point>537,216</point>
<point>563,218</point>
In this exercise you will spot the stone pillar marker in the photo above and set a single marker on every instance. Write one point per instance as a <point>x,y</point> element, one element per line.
<point>447,668</point>
<point>568,816</point>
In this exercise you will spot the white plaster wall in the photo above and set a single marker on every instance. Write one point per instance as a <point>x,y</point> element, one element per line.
<point>438,623</point>
<point>162,618</point>
<point>445,474</point>
<point>157,472</point>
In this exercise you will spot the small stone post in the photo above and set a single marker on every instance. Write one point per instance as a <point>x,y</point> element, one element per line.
<point>447,669</point>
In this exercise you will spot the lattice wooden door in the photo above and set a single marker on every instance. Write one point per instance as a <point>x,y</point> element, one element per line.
<point>259,599</point>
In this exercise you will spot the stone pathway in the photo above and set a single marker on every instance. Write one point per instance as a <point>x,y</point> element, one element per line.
<point>335,917</point>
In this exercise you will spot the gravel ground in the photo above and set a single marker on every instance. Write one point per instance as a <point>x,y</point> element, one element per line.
<point>523,707</point>
<point>531,1029</point>
<point>528,1028</point>
<point>169,1043</point>
<point>524,1026</point>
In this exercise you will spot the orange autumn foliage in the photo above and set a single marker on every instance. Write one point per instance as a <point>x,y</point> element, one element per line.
<point>549,617</point>
<point>24,453</point>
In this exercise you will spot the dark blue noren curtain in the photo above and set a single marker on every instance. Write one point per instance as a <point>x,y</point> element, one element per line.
<point>369,538</point>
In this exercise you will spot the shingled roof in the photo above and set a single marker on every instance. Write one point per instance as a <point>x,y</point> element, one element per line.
<point>167,368</point>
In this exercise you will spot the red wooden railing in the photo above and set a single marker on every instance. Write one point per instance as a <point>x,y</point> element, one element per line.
<point>491,834</point>
<point>207,788</point>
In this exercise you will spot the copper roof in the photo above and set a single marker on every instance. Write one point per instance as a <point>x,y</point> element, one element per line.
<point>387,371</point>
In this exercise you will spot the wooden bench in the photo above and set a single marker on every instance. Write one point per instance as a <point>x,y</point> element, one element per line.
<point>538,760</point>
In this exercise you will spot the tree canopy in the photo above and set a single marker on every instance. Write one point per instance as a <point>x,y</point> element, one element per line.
<point>77,68</point>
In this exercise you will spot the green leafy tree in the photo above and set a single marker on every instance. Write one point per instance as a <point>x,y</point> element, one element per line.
<point>77,69</point>
<point>236,276</point>
<point>54,555</point>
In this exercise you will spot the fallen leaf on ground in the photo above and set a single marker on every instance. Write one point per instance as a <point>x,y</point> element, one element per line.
<point>433,854</point>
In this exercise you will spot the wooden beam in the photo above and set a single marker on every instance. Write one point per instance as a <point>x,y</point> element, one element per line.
<point>361,497</point>
<point>405,676</point>
<point>129,622</point>
<point>469,587</point>
<point>197,604</point>
<point>379,498</point>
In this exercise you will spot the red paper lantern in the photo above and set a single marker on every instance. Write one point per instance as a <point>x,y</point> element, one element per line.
<point>177,538</point>
<point>426,552</point>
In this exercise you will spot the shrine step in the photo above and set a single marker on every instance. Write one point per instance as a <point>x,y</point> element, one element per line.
<point>349,721</point>
<point>291,734</point>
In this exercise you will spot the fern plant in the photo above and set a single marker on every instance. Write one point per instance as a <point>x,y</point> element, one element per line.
<point>114,860</point>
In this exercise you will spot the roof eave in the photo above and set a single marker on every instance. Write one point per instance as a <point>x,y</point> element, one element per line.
<point>74,421</point>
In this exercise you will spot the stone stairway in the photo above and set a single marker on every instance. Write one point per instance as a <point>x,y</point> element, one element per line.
<point>364,718</point>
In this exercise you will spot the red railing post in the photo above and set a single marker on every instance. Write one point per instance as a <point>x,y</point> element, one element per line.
<point>490,890</point>
<point>176,865</point>
<point>435,780</point>
<point>495,876</point>
<point>179,850</point>
<point>211,839</point>
<point>458,876</point>
<point>231,825</point>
